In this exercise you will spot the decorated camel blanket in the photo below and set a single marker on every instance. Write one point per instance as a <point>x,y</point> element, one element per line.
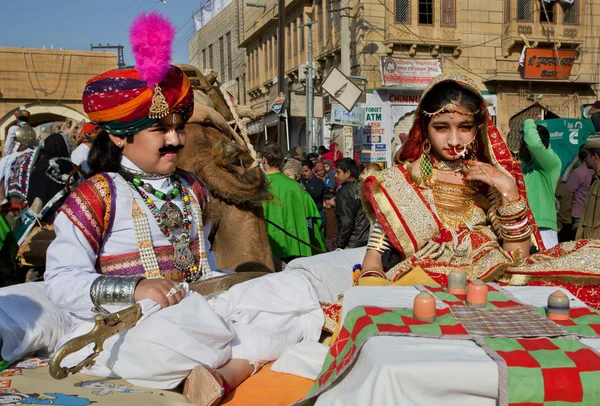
<point>27,382</point>
<point>525,344</point>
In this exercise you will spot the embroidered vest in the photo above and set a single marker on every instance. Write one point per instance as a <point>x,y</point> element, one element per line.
<point>20,172</point>
<point>91,208</point>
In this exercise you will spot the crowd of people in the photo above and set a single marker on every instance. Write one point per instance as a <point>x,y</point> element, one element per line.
<point>332,183</point>
<point>559,202</point>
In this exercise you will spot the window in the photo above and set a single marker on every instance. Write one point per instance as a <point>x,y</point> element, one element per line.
<point>507,11</point>
<point>337,17</point>
<point>265,48</point>
<point>546,12</point>
<point>448,13</point>
<point>250,65</point>
<point>222,59</point>
<point>271,50</point>
<point>210,56</point>
<point>230,56</point>
<point>328,17</point>
<point>204,59</point>
<point>524,10</point>
<point>275,52</point>
<point>244,88</point>
<point>301,21</point>
<point>256,67</point>
<point>295,38</point>
<point>426,12</point>
<point>289,41</point>
<point>319,22</point>
<point>402,11</point>
<point>571,13</point>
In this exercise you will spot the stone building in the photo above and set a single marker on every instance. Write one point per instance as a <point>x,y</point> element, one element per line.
<point>48,82</point>
<point>397,46</point>
<point>215,44</point>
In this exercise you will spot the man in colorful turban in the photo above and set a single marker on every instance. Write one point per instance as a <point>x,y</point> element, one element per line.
<point>10,145</point>
<point>135,232</point>
<point>87,135</point>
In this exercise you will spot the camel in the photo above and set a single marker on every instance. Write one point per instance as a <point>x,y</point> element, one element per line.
<point>237,187</point>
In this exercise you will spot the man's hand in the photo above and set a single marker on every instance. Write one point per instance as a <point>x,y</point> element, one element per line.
<point>157,290</point>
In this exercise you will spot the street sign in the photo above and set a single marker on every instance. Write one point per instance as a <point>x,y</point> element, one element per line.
<point>342,89</point>
<point>354,118</point>
<point>277,105</point>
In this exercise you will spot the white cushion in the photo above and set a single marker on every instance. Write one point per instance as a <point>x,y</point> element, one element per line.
<point>330,273</point>
<point>29,321</point>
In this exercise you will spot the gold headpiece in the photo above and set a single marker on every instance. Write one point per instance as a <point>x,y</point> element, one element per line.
<point>450,108</point>
<point>159,108</point>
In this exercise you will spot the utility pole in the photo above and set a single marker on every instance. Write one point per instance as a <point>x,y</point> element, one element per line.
<point>345,37</point>
<point>119,48</point>
<point>309,88</point>
<point>282,139</point>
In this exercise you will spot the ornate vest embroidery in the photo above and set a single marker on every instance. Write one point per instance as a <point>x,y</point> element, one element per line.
<point>91,208</point>
<point>130,264</point>
<point>20,172</point>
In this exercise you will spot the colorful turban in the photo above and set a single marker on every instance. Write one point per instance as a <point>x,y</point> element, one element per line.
<point>90,131</point>
<point>119,100</point>
<point>22,114</point>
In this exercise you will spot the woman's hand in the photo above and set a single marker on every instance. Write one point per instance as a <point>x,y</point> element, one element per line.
<point>493,177</point>
<point>158,290</point>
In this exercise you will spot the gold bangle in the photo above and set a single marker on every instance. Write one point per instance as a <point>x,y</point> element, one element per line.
<point>372,270</point>
<point>512,208</point>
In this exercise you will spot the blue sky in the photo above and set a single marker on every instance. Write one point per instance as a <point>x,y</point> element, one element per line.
<point>75,24</point>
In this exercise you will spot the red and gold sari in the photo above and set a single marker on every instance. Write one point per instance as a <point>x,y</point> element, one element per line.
<point>404,207</point>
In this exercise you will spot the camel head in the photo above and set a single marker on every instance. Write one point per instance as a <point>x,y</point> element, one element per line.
<point>218,156</point>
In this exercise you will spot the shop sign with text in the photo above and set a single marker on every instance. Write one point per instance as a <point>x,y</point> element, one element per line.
<point>548,64</point>
<point>341,116</point>
<point>414,74</point>
<point>373,136</point>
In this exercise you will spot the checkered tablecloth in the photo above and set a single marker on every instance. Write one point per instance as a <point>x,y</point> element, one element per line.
<point>526,346</point>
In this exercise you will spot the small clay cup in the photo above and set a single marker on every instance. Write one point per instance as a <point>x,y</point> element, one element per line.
<point>457,282</point>
<point>424,307</point>
<point>559,306</point>
<point>477,294</point>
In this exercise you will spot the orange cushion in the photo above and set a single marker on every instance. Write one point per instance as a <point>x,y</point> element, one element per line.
<point>268,388</point>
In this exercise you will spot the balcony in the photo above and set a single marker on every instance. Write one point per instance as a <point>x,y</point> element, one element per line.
<point>517,33</point>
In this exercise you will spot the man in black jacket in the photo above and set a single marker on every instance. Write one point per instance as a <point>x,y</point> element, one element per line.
<point>353,224</point>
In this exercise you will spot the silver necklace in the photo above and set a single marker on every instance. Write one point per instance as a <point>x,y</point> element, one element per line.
<point>146,175</point>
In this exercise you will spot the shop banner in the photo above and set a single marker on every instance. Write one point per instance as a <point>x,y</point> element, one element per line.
<point>410,74</point>
<point>566,136</point>
<point>374,148</point>
<point>548,64</point>
<point>354,118</point>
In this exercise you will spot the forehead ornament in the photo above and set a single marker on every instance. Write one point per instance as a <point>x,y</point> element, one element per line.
<point>450,108</point>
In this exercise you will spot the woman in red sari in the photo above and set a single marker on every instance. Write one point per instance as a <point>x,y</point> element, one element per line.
<point>456,198</point>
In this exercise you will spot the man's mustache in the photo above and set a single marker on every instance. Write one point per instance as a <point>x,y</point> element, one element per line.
<point>170,148</point>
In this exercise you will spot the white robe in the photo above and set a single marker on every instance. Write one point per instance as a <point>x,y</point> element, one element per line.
<point>256,320</point>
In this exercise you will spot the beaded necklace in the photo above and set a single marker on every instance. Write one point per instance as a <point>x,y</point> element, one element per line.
<point>170,218</point>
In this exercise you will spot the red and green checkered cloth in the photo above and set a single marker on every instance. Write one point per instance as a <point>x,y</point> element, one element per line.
<point>532,370</point>
<point>545,371</point>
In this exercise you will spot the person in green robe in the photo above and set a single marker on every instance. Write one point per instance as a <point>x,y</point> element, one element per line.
<point>292,209</point>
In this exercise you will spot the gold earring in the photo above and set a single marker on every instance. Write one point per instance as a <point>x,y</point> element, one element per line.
<point>425,164</point>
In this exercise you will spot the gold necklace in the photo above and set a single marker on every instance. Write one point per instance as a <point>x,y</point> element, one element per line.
<point>454,202</point>
<point>449,166</point>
